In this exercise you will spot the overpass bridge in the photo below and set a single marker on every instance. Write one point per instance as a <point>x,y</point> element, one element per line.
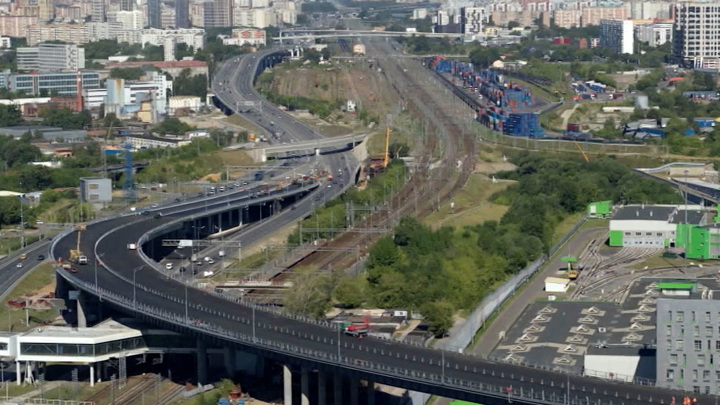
<point>312,147</point>
<point>314,34</point>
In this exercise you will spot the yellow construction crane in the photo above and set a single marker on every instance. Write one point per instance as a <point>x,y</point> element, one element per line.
<point>76,255</point>
<point>581,151</point>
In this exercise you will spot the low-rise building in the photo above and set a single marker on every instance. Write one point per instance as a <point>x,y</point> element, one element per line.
<point>654,226</point>
<point>173,68</point>
<point>246,36</point>
<point>139,142</point>
<point>191,103</point>
<point>51,58</point>
<point>95,190</point>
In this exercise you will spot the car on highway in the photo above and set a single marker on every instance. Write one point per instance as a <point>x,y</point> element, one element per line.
<point>329,185</point>
<point>155,205</point>
<point>169,266</point>
<point>41,258</point>
<point>23,256</point>
<point>19,265</point>
<point>211,261</point>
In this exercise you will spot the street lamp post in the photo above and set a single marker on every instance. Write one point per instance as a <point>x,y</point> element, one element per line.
<point>186,304</point>
<point>253,322</point>
<point>687,227</point>
<point>97,258</point>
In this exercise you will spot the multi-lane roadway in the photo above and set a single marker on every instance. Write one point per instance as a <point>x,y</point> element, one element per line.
<point>126,279</point>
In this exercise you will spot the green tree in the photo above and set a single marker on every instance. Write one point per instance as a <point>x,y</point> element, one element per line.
<point>130,73</point>
<point>351,292</point>
<point>310,293</point>
<point>312,55</point>
<point>10,116</point>
<point>187,85</point>
<point>65,118</point>
<point>438,316</point>
<point>173,126</point>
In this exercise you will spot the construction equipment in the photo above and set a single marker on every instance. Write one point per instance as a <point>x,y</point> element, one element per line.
<point>571,272</point>
<point>76,255</point>
<point>581,151</point>
<point>358,329</point>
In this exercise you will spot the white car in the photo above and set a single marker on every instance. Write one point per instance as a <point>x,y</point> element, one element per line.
<point>155,205</point>
<point>169,266</point>
<point>19,265</point>
<point>211,261</point>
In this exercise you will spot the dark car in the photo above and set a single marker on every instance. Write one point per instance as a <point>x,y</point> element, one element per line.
<point>41,257</point>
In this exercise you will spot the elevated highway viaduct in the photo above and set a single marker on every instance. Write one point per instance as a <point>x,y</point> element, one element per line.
<point>127,281</point>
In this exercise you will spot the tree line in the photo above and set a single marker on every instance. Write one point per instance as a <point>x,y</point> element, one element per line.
<point>438,272</point>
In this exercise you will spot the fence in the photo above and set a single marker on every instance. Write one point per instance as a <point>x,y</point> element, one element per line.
<point>465,334</point>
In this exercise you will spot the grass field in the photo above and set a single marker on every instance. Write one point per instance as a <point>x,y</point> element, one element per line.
<point>240,121</point>
<point>41,278</point>
<point>564,227</point>
<point>472,205</point>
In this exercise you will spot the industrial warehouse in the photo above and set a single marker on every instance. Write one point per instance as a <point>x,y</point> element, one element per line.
<point>654,225</point>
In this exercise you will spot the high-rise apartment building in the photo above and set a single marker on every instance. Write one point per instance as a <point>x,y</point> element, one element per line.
<point>182,14</point>
<point>593,15</point>
<point>696,39</point>
<point>16,26</point>
<point>218,13</point>
<point>153,13</point>
<point>167,16</point>
<point>127,5</point>
<point>617,35</point>
<point>68,33</point>
<point>98,11</point>
<point>473,19</point>
<point>46,10</point>
<point>654,34</point>
<point>130,20</point>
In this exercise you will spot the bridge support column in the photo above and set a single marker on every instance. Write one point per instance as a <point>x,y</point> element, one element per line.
<point>81,309</point>
<point>92,374</point>
<point>370,392</point>
<point>304,386</point>
<point>337,389</point>
<point>18,372</point>
<point>202,371</point>
<point>230,362</point>
<point>322,388</point>
<point>287,385</point>
<point>354,392</point>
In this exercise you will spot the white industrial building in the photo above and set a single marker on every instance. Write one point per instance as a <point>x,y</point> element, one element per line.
<point>175,103</point>
<point>123,98</point>
<point>93,98</point>
<point>419,14</point>
<point>653,226</point>
<point>619,362</point>
<point>618,36</point>
<point>556,285</point>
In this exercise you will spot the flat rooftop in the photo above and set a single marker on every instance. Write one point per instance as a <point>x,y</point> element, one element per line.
<point>693,217</point>
<point>644,212</point>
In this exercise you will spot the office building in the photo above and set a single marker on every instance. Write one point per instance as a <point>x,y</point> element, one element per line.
<point>654,34</point>
<point>593,15</point>
<point>473,19</point>
<point>51,58</point>
<point>130,20</point>
<point>696,40</point>
<point>60,84</point>
<point>688,335</point>
<point>617,35</point>
<point>95,190</point>
<point>127,5</point>
<point>218,13</point>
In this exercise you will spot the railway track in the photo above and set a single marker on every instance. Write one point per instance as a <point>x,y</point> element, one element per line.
<point>430,188</point>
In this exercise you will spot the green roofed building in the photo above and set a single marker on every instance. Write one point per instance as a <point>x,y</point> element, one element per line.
<point>655,226</point>
<point>599,209</point>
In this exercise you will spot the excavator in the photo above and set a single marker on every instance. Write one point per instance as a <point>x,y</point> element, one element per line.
<point>572,273</point>
<point>76,255</point>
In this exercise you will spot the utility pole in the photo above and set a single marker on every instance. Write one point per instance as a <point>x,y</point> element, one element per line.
<point>22,220</point>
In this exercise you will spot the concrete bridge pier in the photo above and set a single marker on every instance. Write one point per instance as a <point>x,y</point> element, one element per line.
<point>202,365</point>
<point>81,309</point>
<point>230,361</point>
<point>337,389</point>
<point>370,392</point>
<point>322,387</point>
<point>354,391</point>
<point>287,385</point>
<point>304,386</point>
